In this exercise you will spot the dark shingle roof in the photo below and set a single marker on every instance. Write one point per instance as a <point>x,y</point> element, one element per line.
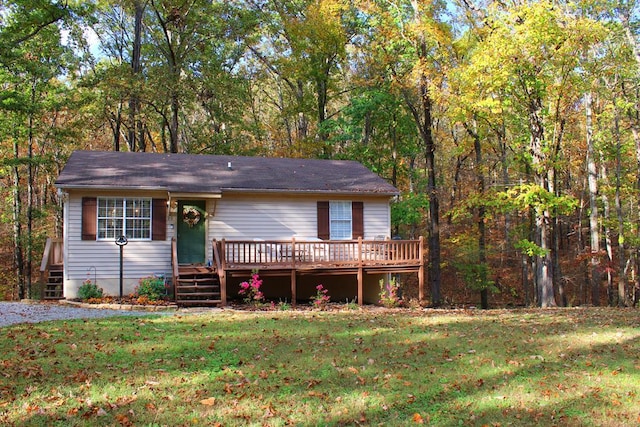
<point>189,173</point>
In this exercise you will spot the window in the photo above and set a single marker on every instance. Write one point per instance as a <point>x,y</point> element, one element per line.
<point>118,216</point>
<point>340,220</point>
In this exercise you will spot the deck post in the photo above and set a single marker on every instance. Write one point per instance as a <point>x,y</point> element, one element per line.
<point>421,271</point>
<point>360,278</point>
<point>293,287</point>
<point>223,288</point>
<point>293,272</point>
<point>222,275</point>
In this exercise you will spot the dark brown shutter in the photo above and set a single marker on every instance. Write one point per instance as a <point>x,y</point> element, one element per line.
<point>323,220</point>
<point>159,220</point>
<point>357,220</point>
<point>89,218</point>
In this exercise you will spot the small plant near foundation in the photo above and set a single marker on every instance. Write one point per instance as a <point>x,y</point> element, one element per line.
<point>390,293</point>
<point>351,305</point>
<point>251,290</point>
<point>89,291</point>
<point>321,298</point>
<point>281,305</point>
<point>151,288</point>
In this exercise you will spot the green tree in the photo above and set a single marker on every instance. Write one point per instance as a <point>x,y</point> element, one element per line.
<point>532,55</point>
<point>411,40</point>
<point>33,98</point>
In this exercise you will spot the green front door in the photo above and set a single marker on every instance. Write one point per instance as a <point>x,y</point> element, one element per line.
<point>191,231</point>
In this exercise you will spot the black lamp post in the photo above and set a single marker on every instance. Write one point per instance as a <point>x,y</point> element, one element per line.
<point>121,242</point>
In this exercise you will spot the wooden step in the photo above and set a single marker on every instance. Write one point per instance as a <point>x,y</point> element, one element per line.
<point>199,302</point>
<point>54,268</point>
<point>198,294</point>
<point>199,280</point>
<point>53,288</point>
<point>197,287</point>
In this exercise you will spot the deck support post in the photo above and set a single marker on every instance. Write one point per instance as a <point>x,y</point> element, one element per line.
<point>222,273</point>
<point>421,272</point>
<point>223,287</point>
<point>293,287</point>
<point>360,287</point>
<point>360,278</point>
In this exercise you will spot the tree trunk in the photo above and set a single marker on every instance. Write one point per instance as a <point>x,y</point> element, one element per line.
<point>434,218</point>
<point>482,247</point>
<point>622,262</point>
<point>594,232</point>
<point>608,246</point>
<point>136,134</point>
<point>18,258</point>
<point>424,121</point>
<point>30,191</point>
<point>543,260</point>
<point>559,280</point>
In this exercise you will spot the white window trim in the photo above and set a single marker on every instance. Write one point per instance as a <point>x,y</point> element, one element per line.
<point>124,217</point>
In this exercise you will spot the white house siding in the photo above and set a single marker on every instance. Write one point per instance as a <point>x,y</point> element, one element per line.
<point>100,260</point>
<point>248,217</point>
<point>377,219</point>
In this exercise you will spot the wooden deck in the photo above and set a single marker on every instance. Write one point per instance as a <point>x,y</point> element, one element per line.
<point>207,285</point>
<point>320,257</point>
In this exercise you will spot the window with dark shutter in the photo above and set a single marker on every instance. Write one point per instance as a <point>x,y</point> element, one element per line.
<point>89,218</point>
<point>355,223</point>
<point>159,226</point>
<point>323,220</point>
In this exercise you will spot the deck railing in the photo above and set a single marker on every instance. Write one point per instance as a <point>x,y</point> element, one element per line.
<point>52,255</point>
<point>317,253</point>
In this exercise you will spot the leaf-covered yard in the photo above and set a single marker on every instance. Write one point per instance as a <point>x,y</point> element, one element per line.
<point>351,367</point>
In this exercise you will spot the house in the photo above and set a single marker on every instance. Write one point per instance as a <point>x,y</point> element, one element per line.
<point>206,222</point>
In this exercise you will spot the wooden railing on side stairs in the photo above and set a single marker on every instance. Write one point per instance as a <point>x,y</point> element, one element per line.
<point>174,263</point>
<point>51,269</point>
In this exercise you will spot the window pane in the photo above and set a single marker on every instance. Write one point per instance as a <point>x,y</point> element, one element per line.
<point>110,218</point>
<point>138,218</point>
<point>340,220</point>
<point>138,228</point>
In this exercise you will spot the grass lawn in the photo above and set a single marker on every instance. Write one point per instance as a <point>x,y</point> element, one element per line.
<point>565,367</point>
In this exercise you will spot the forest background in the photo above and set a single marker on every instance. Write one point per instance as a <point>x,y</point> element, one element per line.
<point>512,129</point>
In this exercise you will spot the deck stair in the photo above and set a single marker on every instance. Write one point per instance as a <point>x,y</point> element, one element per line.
<point>197,286</point>
<point>53,287</point>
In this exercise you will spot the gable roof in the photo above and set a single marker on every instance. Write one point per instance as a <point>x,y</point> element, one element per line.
<point>191,173</point>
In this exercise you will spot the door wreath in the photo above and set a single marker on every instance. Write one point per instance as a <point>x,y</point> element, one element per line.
<point>191,215</point>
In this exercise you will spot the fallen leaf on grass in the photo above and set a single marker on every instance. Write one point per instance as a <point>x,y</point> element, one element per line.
<point>209,401</point>
<point>417,418</point>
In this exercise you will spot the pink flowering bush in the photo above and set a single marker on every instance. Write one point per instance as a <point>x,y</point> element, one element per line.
<point>251,290</point>
<point>321,298</point>
<point>390,294</point>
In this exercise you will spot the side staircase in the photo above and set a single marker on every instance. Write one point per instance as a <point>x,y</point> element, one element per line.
<point>53,286</point>
<point>51,270</point>
<point>197,285</point>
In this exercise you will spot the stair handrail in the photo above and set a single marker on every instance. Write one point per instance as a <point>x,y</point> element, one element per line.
<point>174,261</point>
<point>216,255</point>
<point>44,264</point>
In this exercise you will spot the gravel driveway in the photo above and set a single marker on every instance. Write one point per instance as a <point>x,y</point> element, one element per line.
<point>12,313</point>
